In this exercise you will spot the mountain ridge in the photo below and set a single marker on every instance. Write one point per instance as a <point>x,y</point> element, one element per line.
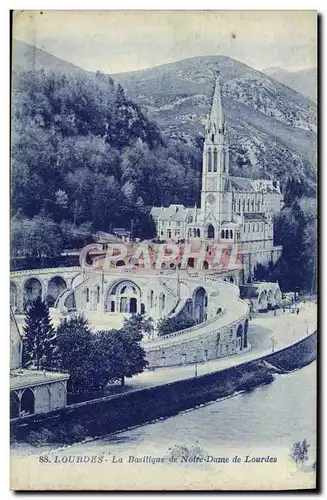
<point>303,81</point>
<point>26,57</point>
<point>270,125</point>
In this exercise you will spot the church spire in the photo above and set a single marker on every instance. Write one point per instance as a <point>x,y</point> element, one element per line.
<point>215,129</point>
<point>217,115</point>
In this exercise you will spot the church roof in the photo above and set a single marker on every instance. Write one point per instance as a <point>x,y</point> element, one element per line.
<point>254,216</point>
<point>177,213</point>
<point>229,224</point>
<point>249,185</point>
<point>241,183</point>
<point>155,211</point>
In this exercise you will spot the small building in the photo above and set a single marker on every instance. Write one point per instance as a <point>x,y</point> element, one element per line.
<point>32,391</point>
<point>261,296</point>
<point>122,233</point>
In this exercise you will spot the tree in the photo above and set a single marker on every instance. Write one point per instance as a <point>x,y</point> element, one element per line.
<point>93,359</point>
<point>139,323</point>
<point>75,342</point>
<point>38,237</point>
<point>120,350</point>
<point>39,342</point>
<point>295,229</point>
<point>129,337</point>
<point>299,452</point>
<point>169,325</point>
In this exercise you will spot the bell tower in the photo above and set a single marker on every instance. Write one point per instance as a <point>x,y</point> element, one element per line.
<point>215,162</point>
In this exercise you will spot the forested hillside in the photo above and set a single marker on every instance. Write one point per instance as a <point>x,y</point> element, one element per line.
<point>85,158</point>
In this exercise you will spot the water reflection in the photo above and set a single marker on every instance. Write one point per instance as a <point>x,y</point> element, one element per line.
<point>272,415</point>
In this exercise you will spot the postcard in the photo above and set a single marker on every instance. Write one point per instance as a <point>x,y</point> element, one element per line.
<point>163,265</point>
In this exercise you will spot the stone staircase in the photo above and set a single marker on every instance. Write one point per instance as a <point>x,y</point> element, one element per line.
<point>64,295</point>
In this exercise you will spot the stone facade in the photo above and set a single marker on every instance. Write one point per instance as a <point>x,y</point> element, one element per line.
<point>216,343</point>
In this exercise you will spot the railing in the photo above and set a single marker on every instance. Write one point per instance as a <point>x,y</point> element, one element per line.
<point>161,341</point>
<point>50,270</point>
<point>169,290</point>
<point>67,292</point>
<point>178,307</point>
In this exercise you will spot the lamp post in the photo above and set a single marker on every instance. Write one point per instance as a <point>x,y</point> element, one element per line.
<point>196,366</point>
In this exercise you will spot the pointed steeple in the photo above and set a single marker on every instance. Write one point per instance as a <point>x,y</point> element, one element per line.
<point>217,115</point>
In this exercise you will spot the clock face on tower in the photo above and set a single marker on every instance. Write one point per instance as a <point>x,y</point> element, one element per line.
<point>211,199</point>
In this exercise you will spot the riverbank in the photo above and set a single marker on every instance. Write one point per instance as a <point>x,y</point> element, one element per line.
<point>100,417</point>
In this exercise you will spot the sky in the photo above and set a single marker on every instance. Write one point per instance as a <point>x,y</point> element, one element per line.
<point>117,41</point>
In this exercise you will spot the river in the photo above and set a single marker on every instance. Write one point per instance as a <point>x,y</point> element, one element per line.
<point>279,414</point>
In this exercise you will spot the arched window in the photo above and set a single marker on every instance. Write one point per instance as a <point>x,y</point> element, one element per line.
<point>252,205</point>
<point>190,231</point>
<point>210,231</point>
<point>163,300</point>
<point>151,298</point>
<point>209,160</point>
<point>248,205</point>
<point>198,233</point>
<point>245,339</point>
<point>98,294</point>
<point>222,234</point>
<point>194,232</point>
<point>243,205</point>
<point>55,287</point>
<point>87,295</point>
<point>231,234</point>
<point>239,336</point>
<point>239,206</point>
<point>215,160</point>
<point>27,403</point>
<point>32,291</point>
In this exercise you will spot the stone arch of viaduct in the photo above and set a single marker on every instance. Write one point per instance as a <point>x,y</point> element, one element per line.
<point>48,284</point>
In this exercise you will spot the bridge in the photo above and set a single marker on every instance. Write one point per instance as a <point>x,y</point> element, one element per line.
<point>48,284</point>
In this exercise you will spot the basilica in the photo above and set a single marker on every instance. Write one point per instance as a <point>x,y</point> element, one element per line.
<point>235,211</point>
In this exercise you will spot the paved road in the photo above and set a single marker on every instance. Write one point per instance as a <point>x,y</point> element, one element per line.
<point>284,328</point>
